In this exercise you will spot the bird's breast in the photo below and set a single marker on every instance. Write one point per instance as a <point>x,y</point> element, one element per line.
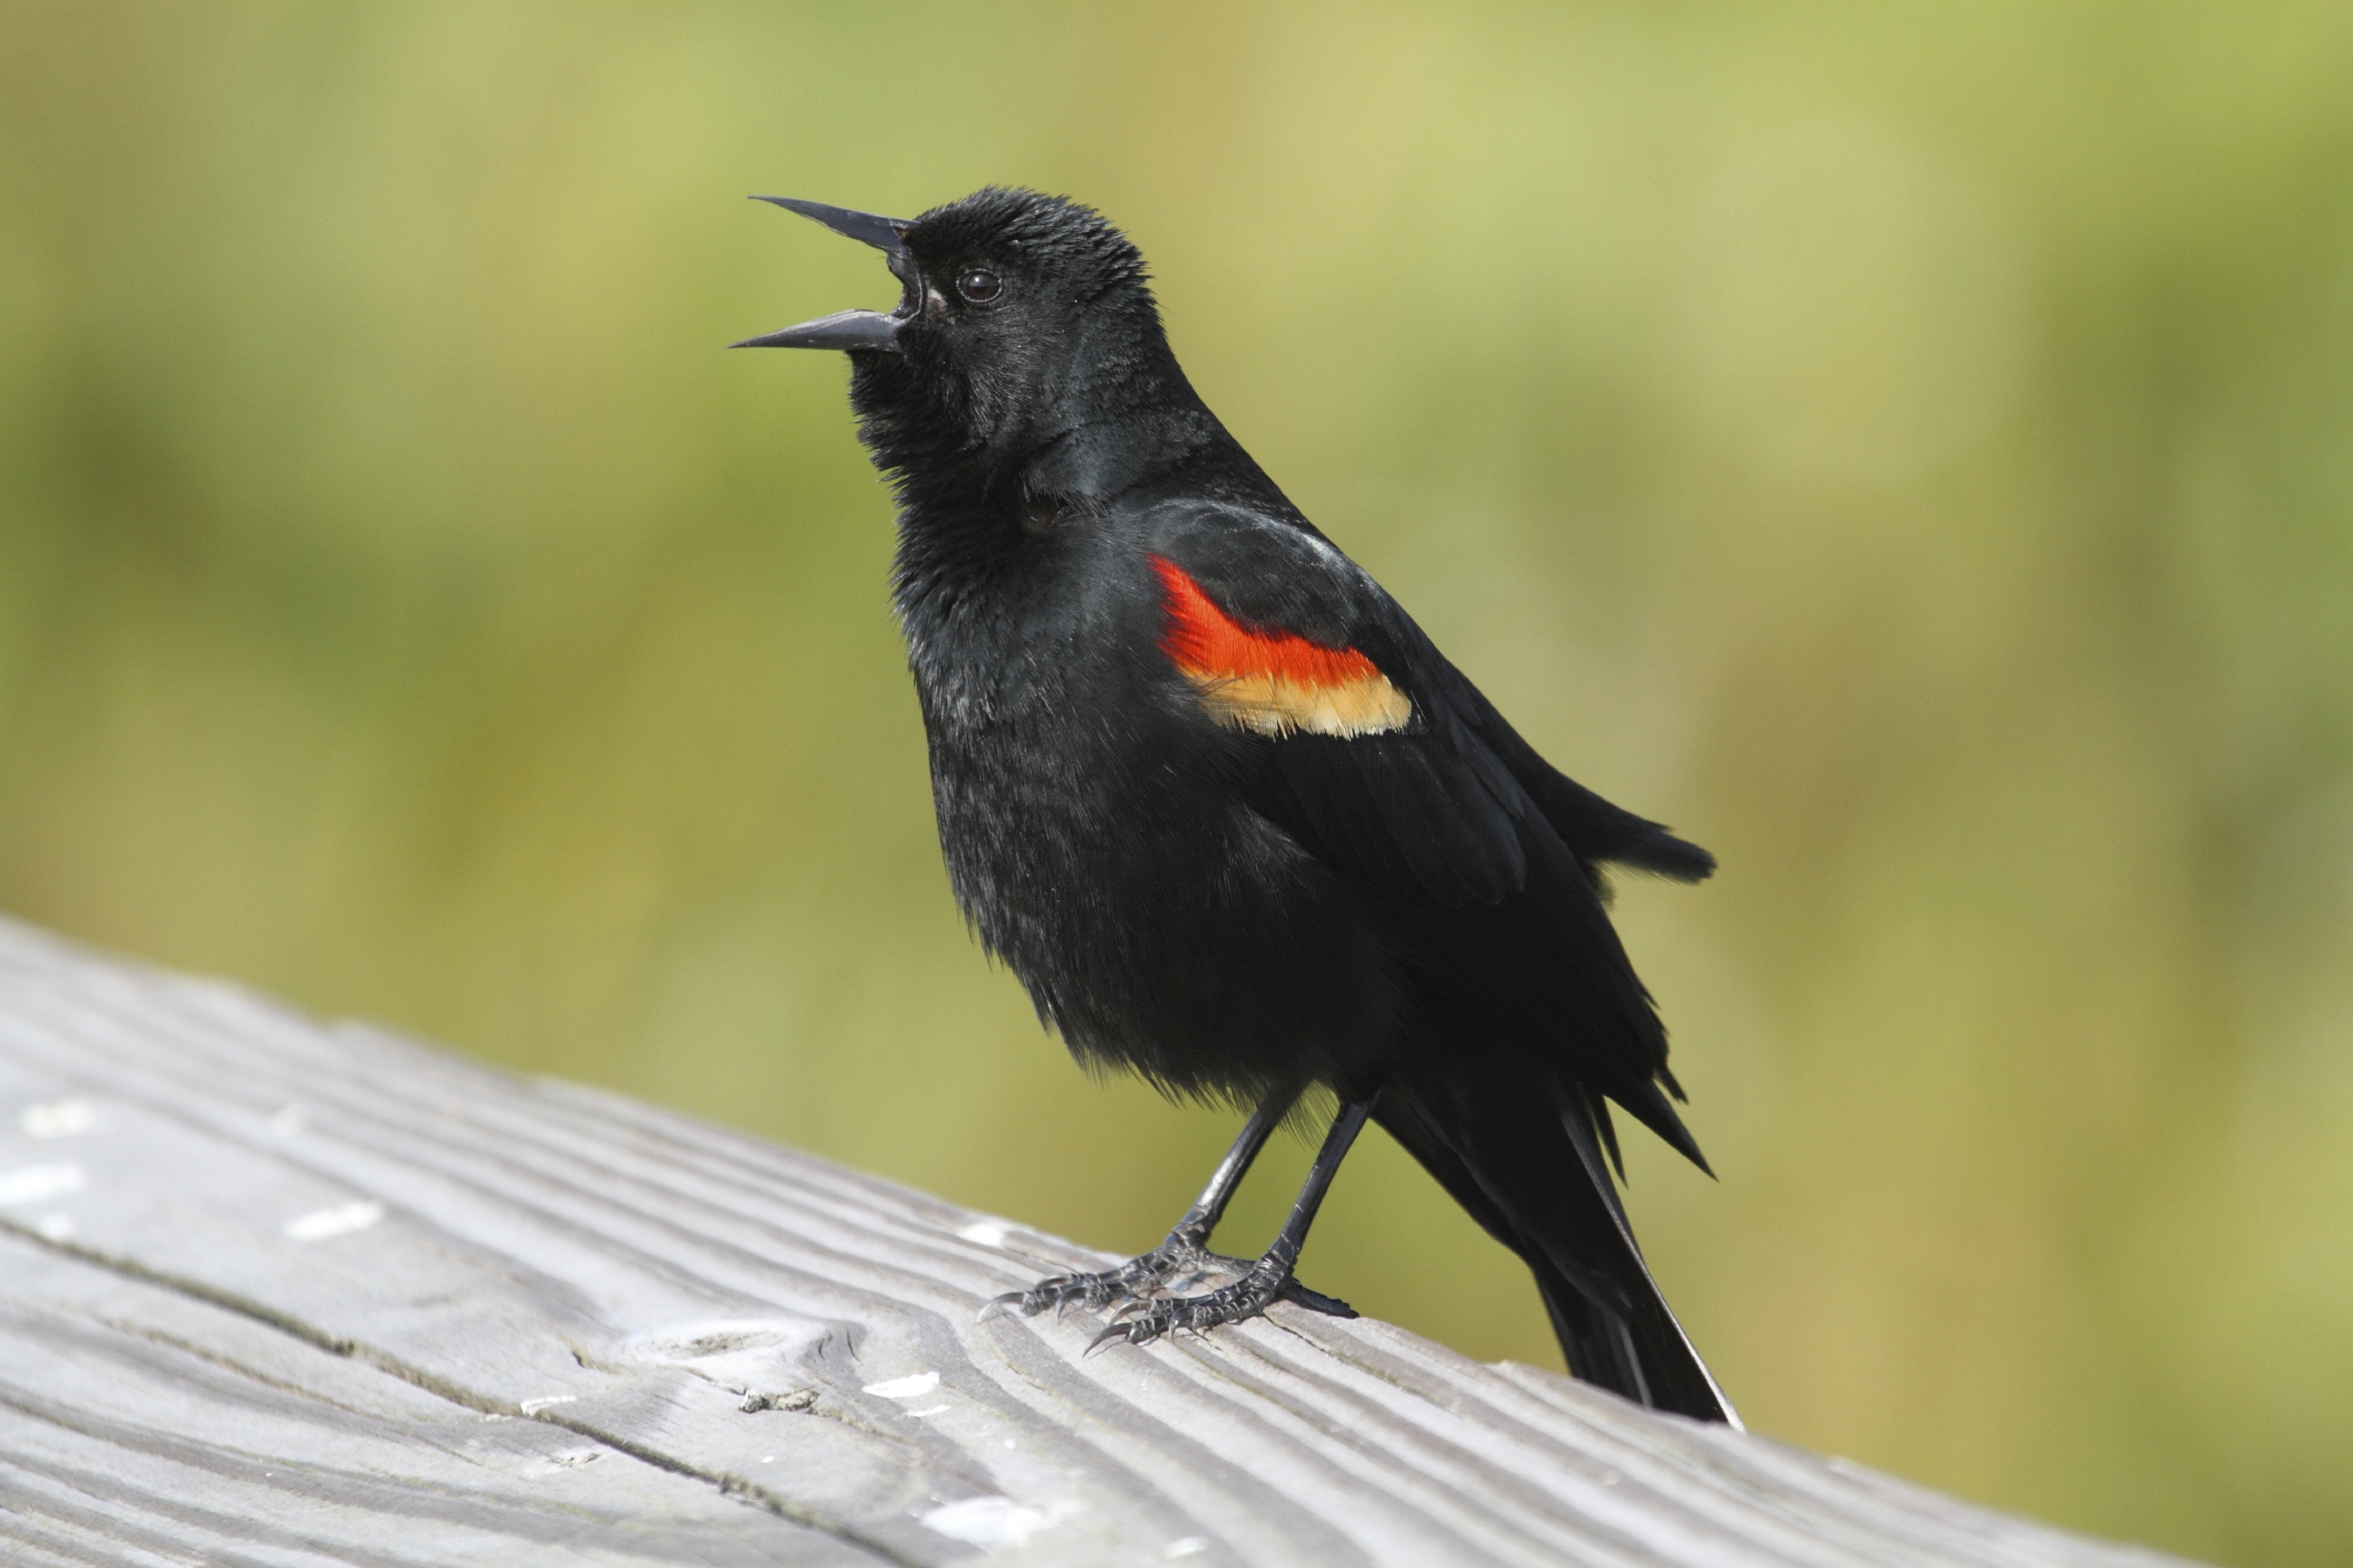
<point>1094,840</point>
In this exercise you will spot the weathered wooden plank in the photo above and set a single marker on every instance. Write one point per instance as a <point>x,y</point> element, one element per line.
<point>278,1293</point>
<point>138,1416</point>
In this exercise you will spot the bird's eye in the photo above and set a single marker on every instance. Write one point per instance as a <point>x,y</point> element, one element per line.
<point>979,285</point>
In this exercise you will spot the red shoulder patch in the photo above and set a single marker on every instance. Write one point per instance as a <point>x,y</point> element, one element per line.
<point>1272,683</point>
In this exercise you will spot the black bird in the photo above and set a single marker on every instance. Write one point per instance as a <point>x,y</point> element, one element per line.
<point>1221,804</point>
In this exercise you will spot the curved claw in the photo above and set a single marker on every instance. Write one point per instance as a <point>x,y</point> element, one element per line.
<point>1299,1295</point>
<point>1116,1331</point>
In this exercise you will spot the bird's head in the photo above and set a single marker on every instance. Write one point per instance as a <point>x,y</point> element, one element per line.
<point>1024,321</point>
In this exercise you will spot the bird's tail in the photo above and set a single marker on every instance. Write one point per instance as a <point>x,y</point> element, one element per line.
<point>1522,1150</point>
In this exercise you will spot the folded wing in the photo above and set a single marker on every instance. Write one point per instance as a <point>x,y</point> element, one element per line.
<point>1381,757</point>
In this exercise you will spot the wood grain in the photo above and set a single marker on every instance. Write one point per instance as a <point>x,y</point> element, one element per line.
<point>274,1291</point>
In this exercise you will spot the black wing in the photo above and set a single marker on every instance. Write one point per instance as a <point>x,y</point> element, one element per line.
<point>1485,852</point>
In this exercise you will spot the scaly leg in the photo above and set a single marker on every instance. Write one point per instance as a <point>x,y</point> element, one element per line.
<point>1261,1283</point>
<point>1184,1253</point>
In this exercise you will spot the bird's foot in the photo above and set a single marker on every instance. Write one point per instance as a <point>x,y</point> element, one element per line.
<point>1258,1286</point>
<point>1178,1258</point>
<point>1144,1282</point>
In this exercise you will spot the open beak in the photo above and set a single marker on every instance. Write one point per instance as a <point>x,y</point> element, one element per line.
<point>853,331</point>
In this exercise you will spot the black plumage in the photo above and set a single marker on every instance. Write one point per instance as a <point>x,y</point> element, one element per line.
<point>1232,819</point>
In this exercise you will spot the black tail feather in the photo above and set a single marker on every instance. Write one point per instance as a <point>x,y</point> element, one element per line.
<point>1519,1150</point>
<point>1654,1110</point>
<point>1608,1131</point>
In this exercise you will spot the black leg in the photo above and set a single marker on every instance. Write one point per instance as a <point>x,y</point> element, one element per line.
<point>1185,1252</point>
<point>1261,1283</point>
<point>1208,1209</point>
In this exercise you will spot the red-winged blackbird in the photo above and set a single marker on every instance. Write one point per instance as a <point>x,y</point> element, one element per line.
<point>1223,808</point>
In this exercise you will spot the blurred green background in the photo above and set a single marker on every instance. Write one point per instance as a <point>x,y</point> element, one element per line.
<point>1909,449</point>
